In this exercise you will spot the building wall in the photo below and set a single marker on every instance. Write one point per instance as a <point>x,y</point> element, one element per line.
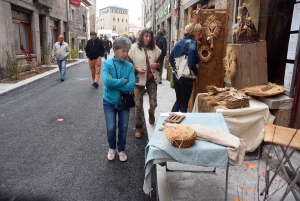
<point>115,19</point>
<point>108,19</point>
<point>40,20</point>
<point>93,15</point>
<point>79,26</point>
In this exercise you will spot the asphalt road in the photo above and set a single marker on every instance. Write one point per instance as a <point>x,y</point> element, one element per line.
<point>42,159</point>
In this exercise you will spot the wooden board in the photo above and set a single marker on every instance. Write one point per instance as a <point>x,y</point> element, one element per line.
<point>174,118</point>
<point>211,72</point>
<point>282,136</point>
<point>252,67</point>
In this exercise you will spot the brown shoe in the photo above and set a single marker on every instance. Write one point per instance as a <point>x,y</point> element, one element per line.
<point>138,133</point>
<point>151,118</point>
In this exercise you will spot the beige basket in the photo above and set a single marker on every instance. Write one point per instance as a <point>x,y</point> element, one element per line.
<point>181,136</point>
<point>238,103</point>
<point>184,143</point>
<point>264,90</point>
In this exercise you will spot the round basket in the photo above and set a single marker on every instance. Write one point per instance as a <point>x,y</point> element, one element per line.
<point>264,90</point>
<point>184,143</point>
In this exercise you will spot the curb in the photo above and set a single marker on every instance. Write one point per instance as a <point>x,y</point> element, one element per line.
<point>6,88</point>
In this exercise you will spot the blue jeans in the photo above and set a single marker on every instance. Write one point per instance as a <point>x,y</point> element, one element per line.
<point>183,93</point>
<point>62,67</point>
<point>111,111</point>
<point>105,54</point>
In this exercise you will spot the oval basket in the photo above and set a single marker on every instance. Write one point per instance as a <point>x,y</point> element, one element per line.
<point>184,143</point>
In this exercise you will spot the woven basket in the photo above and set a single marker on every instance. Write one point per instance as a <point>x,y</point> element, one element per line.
<point>184,143</point>
<point>264,90</point>
<point>238,103</point>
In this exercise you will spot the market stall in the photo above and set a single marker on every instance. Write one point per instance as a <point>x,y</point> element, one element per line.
<point>242,65</point>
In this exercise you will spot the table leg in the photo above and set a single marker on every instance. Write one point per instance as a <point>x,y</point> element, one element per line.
<point>284,172</point>
<point>291,186</point>
<point>287,160</point>
<point>226,183</point>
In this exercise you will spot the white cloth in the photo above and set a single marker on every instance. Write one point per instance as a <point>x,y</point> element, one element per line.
<point>246,123</point>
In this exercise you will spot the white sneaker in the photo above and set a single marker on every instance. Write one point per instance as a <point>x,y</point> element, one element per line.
<point>122,156</point>
<point>111,154</point>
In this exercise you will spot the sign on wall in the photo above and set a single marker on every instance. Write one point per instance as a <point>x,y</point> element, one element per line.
<point>75,2</point>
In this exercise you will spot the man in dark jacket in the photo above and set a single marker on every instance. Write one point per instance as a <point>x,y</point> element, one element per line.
<point>94,51</point>
<point>161,43</point>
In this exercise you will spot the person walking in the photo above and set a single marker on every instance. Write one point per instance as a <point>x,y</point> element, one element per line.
<point>161,43</point>
<point>109,46</point>
<point>145,57</point>
<point>184,89</point>
<point>136,37</point>
<point>118,76</point>
<point>60,52</point>
<point>94,51</point>
<point>105,42</point>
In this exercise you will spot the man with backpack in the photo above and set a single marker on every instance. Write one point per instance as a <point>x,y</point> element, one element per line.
<point>161,43</point>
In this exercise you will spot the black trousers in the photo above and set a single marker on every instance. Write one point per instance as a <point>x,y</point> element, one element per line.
<point>183,92</point>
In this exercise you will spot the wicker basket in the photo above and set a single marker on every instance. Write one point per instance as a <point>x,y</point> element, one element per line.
<point>264,90</point>
<point>237,103</point>
<point>184,143</point>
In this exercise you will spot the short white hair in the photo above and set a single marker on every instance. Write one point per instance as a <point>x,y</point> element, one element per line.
<point>121,42</point>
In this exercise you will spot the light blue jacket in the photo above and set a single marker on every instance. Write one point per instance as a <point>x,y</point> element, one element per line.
<point>113,86</point>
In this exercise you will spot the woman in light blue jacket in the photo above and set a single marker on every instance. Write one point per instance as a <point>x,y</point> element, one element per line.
<point>118,75</point>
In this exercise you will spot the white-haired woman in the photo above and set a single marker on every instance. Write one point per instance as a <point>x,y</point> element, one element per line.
<point>184,89</point>
<point>118,75</point>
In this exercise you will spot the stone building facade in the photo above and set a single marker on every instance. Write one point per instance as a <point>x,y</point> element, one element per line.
<point>114,18</point>
<point>36,24</point>
<point>79,25</point>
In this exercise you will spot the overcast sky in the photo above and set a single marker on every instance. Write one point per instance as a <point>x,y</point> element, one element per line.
<point>134,7</point>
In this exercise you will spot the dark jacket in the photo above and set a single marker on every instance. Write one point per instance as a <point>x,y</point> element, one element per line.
<point>94,49</point>
<point>161,43</point>
<point>179,50</point>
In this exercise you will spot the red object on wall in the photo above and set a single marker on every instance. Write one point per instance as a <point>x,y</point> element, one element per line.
<point>75,2</point>
<point>175,12</point>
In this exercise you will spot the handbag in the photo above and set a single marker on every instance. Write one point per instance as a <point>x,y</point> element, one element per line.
<point>183,71</point>
<point>127,99</point>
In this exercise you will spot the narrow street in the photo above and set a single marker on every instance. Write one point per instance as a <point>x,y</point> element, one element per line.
<point>50,160</point>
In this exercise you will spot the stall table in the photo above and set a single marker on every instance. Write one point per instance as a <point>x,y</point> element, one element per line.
<point>246,123</point>
<point>202,153</point>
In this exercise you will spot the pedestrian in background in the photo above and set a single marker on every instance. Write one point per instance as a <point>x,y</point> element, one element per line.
<point>136,38</point>
<point>145,57</point>
<point>109,46</point>
<point>183,90</point>
<point>161,43</point>
<point>94,51</point>
<point>105,45</point>
<point>118,76</point>
<point>60,52</point>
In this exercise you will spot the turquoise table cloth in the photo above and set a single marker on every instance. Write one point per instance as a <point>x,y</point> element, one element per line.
<point>202,153</point>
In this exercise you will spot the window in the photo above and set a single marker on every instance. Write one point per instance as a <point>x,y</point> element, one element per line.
<point>118,20</point>
<point>114,28</point>
<point>72,15</point>
<point>126,20</point>
<point>83,24</point>
<point>125,28</point>
<point>122,20</point>
<point>113,19</point>
<point>22,36</point>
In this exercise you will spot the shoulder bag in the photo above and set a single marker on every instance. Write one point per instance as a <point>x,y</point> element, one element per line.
<point>127,99</point>
<point>183,71</point>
